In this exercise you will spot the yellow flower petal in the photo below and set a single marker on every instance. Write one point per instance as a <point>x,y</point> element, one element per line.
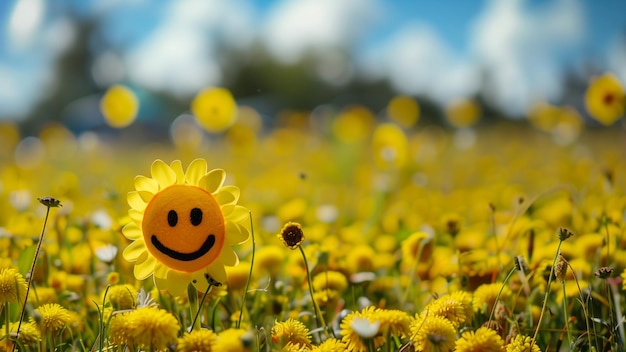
<point>161,271</point>
<point>163,173</point>
<point>229,257</point>
<point>195,171</point>
<point>145,196</point>
<point>144,269</point>
<point>236,234</point>
<point>135,201</point>
<point>217,271</point>
<point>235,213</point>
<point>146,184</point>
<point>132,232</point>
<point>176,282</point>
<point>213,180</point>
<point>136,215</point>
<point>134,250</point>
<point>227,195</point>
<point>177,167</point>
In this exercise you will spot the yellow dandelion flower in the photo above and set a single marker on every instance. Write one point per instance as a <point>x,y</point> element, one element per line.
<point>449,308</point>
<point>291,235</point>
<point>325,298</point>
<point>605,99</point>
<point>194,206</point>
<point>332,280</point>
<point>12,286</point>
<point>119,105</point>
<point>394,321</point>
<point>462,113</point>
<point>521,343</point>
<point>120,329</point>
<point>45,295</point>
<point>293,331</point>
<point>353,124</point>
<point>432,333</point>
<point>485,296</point>
<point>403,110</point>
<point>269,259</point>
<point>417,244</point>
<point>113,278</point>
<point>215,109</point>
<point>360,258</point>
<point>197,340</point>
<point>52,317</point>
<point>330,345</point>
<point>465,299</point>
<point>122,296</point>
<point>352,337</point>
<point>153,328</point>
<point>238,276</point>
<point>389,146</point>
<point>29,335</point>
<point>483,339</point>
<point>233,340</point>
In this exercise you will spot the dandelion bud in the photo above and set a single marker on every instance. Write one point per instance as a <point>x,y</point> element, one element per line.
<point>520,263</point>
<point>564,234</point>
<point>560,268</point>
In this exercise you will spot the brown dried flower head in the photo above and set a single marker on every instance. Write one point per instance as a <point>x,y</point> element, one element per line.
<point>291,235</point>
<point>50,202</point>
<point>604,272</point>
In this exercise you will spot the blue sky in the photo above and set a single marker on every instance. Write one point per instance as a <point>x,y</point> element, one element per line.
<point>425,48</point>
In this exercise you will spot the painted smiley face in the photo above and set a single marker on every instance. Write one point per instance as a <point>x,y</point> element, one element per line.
<point>183,227</point>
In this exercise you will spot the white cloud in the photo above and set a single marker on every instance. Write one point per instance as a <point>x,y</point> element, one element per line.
<point>294,27</point>
<point>182,54</point>
<point>520,46</point>
<point>417,62</point>
<point>25,21</point>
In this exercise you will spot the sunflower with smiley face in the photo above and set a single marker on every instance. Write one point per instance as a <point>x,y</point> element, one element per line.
<point>183,225</point>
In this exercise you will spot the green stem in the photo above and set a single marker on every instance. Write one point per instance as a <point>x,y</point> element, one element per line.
<point>31,273</point>
<point>545,300</point>
<point>245,292</point>
<point>506,279</point>
<point>199,307</point>
<point>569,333</point>
<point>192,295</point>
<point>318,312</point>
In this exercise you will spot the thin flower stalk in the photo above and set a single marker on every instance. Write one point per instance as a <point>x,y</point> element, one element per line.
<point>245,291</point>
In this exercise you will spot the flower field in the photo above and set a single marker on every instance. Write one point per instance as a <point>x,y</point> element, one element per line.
<point>327,230</point>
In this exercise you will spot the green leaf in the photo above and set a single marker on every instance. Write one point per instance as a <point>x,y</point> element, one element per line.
<point>25,259</point>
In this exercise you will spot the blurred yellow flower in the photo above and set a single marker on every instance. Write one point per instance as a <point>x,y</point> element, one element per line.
<point>462,113</point>
<point>237,276</point>
<point>195,206</point>
<point>29,336</point>
<point>403,110</point>
<point>389,146</point>
<point>215,109</point>
<point>233,340</point>
<point>353,124</point>
<point>119,106</point>
<point>330,279</point>
<point>605,99</point>
<point>122,296</point>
